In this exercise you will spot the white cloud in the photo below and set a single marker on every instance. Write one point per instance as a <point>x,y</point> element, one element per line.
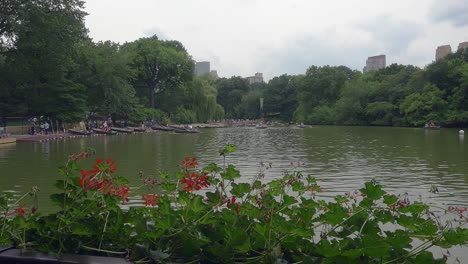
<point>241,37</point>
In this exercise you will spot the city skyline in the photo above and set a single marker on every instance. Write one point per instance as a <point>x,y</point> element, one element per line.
<point>276,37</point>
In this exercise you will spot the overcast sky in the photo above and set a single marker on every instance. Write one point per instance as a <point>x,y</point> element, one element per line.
<point>241,37</point>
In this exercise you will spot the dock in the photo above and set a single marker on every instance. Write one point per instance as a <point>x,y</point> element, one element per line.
<point>7,140</point>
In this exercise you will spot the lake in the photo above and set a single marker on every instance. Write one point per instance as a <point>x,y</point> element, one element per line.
<point>341,158</point>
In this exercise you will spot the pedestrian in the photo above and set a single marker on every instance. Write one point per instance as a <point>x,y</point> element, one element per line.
<point>46,127</point>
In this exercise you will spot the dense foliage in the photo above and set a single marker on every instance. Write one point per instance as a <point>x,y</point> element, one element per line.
<point>213,215</point>
<point>49,67</point>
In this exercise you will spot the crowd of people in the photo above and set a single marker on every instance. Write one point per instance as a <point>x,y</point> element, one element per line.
<point>40,126</point>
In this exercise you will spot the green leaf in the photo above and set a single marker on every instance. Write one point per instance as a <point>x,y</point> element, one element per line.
<point>240,189</point>
<point>59,184</point>
<point>288,200</point>
<point>231,173</point>
<point>390,199</point>
<point>212,167</point>
<point>229,148</point>
<point>170,187</point>
<point>328,249</point>
<point>196,204</point>
<point>373,191</point>
<point>214,198</point>
<point>415,208</point>
<point>121,180</point>
<point>298,186</point>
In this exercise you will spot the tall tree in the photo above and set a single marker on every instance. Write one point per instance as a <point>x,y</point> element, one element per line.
<point>43,36</point>
<point>159,65</point>
<point>230,92</point>
<point>106,72</point>
<point>280,97</point>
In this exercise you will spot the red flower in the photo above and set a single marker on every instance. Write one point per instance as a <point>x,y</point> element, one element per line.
<point>189,163</point>
<point>150,199</point>
<point>122,192</point>
<point>99,160</point>
<point>111,165</point>
<point>20,210</point>
<point>193,181</point>
<point>232,201</point>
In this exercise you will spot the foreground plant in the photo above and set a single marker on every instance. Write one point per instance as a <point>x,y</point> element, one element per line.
<point>212,215</point>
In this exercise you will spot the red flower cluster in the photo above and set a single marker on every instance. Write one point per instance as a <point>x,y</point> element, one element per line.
<point>189,163</point>
<point>150,199</point>
<point>194,181</point>
<point>99,178</point>
<point>232,201</point>
<point>20,210</point>
<point>458,210</point>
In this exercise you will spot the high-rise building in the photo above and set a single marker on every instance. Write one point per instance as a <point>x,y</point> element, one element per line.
<point>375,62</point>
<point>214,74</point>
<point>257,78</point>
<point>442,52</point>
<point>202,67</point>
<point>463,45</point>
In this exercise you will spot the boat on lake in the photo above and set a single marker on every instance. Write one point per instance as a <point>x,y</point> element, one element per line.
<point>432,127</point>
<point>80,132</point>
<point>104,131</point>
<point>122,130</point>
<point>138,129</point>
<point>162,128</point>
<point>7,140</point>
<point>260,126</point>
<point>186,130</point>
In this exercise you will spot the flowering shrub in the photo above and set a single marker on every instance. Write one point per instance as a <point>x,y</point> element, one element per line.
<point>206,215</point>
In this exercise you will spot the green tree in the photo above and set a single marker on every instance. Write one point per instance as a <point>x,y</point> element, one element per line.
<point>230,92</point>
<point>280,97</point>
<point>428,106</point>
<point>159,65</point>
<point>320,86</point>
<point>106,73</point>
<point>44,36</point>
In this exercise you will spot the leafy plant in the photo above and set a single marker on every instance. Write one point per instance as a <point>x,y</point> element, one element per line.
<point>212,215</point>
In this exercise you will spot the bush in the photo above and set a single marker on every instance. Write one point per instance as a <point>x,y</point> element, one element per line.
<point>142,114</point>
<point>185,116</point>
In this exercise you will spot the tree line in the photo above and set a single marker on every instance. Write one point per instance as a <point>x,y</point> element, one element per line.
<point>397,95</point>
<point>50,67</point>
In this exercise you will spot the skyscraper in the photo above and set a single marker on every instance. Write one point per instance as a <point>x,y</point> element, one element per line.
<point>375,62</point>
<point>442,51</point>
<point>202,67</point>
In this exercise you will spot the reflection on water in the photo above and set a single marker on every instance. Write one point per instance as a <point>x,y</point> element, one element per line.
<point>341,158</point>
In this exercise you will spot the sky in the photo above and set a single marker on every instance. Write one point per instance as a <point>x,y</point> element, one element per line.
<point>241,37</point>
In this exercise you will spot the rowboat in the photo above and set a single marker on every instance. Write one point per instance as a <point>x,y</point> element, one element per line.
<point>6,140</point>
<point>104,132</point>
<point>186,130</point>
<point>122,130</point>
<point>138,129</point>
<point>162,128</point>
<point>431,127</point>
<point>80,132</point>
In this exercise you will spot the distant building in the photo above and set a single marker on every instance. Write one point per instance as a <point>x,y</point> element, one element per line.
<point>375,62</point>
<point>214,74</point>
<point>257,78</point>
<point>463,45</point>
<point>442,52</point>
<point>202,67</point>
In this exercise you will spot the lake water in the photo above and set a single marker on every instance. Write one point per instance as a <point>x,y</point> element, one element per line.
<point>341,158</point>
